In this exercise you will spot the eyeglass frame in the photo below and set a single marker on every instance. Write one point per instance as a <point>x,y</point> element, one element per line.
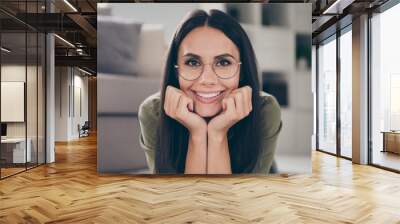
<point>212,67</point>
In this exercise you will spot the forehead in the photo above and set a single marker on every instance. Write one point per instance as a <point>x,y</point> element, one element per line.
<point>207,42</point>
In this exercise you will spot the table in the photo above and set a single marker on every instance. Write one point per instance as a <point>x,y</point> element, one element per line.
<point>13,150</point>
<point>391,141</point>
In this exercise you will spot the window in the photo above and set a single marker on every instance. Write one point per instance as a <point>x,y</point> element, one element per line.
<point>327,96</point>
<point>385,89</point>
<point>346,93</point>
<point>22,78</point>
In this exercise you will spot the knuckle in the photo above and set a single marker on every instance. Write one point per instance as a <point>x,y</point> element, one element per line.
<point>169,113</point>
<point>165,106</point>
<point>173,114</point>
<point>238,117</point>
<point>184,98</point>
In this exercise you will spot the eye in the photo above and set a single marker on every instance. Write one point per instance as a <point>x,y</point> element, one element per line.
<point>223,62</point>
<point>192,62</point>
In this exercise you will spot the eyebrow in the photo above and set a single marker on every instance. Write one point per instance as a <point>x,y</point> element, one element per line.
<point>198,56</point>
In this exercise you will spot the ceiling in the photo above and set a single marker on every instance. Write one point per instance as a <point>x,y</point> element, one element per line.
<point>331,15</point>
<point>76,22</point>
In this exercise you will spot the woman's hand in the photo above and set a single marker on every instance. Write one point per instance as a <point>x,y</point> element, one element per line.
<point>236,106</point>
<point>180,107</point>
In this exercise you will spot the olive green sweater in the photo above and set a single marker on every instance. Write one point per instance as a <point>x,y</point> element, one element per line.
<point>149,115</point>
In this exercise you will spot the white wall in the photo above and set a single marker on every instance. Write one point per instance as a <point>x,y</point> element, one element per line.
<point>61,103</point>
<point>33,126</point>
<point>80,83</point>
<point>67,81</point>
<point>15,72</point>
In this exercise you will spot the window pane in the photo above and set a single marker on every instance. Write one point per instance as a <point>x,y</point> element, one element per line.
<point>41,98</point>
<point>31,89</point>
<point>386,89</point>
<point>31,97</point>
<point>13,87</point>
<point>345,94</point>
<point>327,97</point>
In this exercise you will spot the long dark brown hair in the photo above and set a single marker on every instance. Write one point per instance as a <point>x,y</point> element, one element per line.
<point>244,145</point>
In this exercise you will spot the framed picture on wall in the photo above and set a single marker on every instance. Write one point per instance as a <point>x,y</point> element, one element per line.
<point>12,101</point>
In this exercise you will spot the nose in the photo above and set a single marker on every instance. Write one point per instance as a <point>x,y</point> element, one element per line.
<point>208,77</point>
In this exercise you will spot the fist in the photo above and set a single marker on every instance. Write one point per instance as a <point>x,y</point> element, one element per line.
<point>180,107</point>
<point>235,106</point>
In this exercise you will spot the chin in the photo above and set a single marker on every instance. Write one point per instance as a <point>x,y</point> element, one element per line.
<point>207,112</point>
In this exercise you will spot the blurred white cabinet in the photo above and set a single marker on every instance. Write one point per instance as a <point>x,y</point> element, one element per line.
<point>16,146</point>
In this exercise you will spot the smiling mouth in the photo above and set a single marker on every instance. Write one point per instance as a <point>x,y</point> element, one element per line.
<point>208,97</point>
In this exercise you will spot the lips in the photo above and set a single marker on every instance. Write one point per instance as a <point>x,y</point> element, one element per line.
<point>208,97</point>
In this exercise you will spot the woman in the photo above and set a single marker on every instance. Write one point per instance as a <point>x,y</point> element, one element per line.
<point>210,117</point>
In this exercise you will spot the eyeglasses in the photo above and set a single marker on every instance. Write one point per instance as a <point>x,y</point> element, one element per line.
<point>192,68</point>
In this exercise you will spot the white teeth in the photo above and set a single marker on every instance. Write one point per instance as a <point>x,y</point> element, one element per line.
<point>208,95</point>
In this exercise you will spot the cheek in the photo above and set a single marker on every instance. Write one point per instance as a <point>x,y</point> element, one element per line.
<point>231,85</point>
<point>184,85</point>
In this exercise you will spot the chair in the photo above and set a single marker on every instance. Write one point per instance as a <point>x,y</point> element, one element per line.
<point>84,130</point>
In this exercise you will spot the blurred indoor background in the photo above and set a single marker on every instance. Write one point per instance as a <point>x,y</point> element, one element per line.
<point>132,43</point>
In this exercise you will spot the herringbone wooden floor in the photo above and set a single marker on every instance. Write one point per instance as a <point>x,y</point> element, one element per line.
<point>71,191</point>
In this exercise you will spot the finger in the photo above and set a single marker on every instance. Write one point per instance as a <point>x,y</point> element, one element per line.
<point>191,105</point>
<point>236,90</point>
<point>177,99</point>
<point>223,105</point>
<point>230,106</point>
<point>240,104</point>
<point>184,104</point>
<point>247,98</point>
<point>246,104</point>
<point>180,92</point>
<point>181,108</point>
<point>250,98</point>
<point>167,99</point>
<point>173,103</point>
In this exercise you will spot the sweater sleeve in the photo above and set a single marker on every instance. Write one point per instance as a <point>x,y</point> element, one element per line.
<point>149,115</point>
<point>270,129</point>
